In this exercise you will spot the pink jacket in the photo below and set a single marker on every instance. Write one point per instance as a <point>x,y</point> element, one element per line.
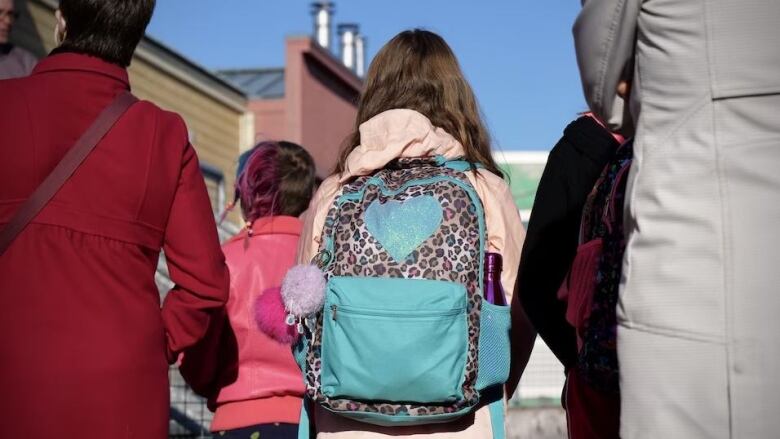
<point>269,387</point>
<point>407,133</point>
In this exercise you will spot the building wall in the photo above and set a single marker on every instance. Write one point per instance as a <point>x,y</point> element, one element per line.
<point>319,106</point>
<point>218,124</point>
<point>215,129</point>
<point>35,28</point>
<point>523,170</point>
<point>270,119</point>
<point>328,113</point>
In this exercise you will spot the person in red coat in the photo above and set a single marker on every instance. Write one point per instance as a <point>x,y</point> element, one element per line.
<point>84,343</point>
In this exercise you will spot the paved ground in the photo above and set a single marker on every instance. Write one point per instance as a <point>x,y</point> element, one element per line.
<point>190,417</point>
<point>539,423</point>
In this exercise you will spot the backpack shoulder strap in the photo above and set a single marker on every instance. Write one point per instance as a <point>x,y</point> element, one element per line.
<point>305,425</point>
<point>497,420</point>
<point>462,165</point>
<point>65,168</point>
<point>613,209</point>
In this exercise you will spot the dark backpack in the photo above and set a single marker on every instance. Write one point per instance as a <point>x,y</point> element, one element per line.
<point>591,288</point>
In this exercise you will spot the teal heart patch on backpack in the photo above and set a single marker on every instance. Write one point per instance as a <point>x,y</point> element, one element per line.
<point>401,226</point>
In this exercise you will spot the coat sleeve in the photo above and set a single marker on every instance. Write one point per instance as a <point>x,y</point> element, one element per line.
<point>572,169</point>
<point>604,38</point>
<point>212,363</point>
<point>549,247</point>
<point>195,261</point>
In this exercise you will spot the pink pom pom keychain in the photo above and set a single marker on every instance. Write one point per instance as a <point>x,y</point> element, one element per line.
<point>270,317</point>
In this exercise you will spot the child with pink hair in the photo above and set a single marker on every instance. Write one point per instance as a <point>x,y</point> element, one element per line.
<point>260,390</point>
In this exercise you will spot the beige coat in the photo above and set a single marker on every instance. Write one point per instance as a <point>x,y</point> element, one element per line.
<point>698,309</point>
<point>406,133</point>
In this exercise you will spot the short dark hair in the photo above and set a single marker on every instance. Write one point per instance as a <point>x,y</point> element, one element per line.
<point>296,166</point>
<point>107,29</point>
<point>277,179</point>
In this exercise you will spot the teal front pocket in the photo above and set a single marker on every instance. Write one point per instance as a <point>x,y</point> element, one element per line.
<point>395,340</point>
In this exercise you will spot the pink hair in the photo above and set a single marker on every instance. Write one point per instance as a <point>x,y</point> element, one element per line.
<point>258,184</point>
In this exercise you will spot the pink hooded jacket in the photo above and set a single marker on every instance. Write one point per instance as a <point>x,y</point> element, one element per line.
<point>269,387</point>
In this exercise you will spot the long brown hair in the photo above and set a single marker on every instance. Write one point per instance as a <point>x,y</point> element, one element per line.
<point>417,70</point>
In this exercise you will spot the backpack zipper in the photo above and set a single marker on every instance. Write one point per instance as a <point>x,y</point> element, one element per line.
<point>334,310</point>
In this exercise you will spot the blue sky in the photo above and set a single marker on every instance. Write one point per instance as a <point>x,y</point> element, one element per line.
<point>518,55</point>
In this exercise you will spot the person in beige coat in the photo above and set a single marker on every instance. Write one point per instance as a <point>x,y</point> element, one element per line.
<point>699,300</point>
<point>418,104</point>
<point>15,62</point>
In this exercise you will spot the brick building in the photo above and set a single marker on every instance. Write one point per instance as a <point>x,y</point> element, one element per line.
<point>312,100</point>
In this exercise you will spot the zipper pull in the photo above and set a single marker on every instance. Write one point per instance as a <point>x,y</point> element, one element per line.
<point>333,309</point>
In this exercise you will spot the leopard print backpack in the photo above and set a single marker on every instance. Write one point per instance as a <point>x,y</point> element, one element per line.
<point>404,336</point>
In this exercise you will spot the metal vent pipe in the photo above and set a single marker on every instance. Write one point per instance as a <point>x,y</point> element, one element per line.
<point>360,55</point>
<point>348,33</point>
<point>322,12</point>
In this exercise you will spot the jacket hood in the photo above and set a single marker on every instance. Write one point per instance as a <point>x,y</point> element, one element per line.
<point>590,138</point>
<point>398,133</point>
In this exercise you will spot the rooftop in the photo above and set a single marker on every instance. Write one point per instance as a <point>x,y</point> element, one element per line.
<point>257,83</point>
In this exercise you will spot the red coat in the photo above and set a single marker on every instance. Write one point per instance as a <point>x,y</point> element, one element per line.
<point>84,345</point>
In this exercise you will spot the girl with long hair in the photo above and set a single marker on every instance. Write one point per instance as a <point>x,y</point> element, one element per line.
<point>418,104</point>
